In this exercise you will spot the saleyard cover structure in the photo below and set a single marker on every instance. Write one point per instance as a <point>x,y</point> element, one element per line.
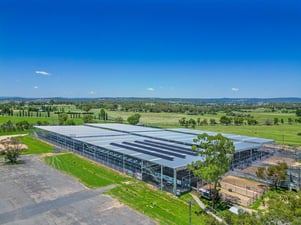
<point>157,156</point>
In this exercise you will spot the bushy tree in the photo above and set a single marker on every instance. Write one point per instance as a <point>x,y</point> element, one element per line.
<point>134,119</point>
<point>88,118</point>
<point>69,122</point>
<point>274,173</point>
<point>252,121</point>
<point>12,150</point>
<point>268,122</point>
<point>192,123</point>
<point>238,120</point>
<point>212,122</point>
<point>119,119</point>
<point>225,120</point>
<point>182,121</point>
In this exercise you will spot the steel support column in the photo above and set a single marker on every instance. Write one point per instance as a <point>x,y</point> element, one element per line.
<point>161,179</point>
<point>175,182</point>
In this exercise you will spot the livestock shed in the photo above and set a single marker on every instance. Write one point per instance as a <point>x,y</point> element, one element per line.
<point>157,156</point>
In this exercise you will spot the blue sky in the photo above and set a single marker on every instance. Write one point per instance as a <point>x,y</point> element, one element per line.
<point>150,48</point>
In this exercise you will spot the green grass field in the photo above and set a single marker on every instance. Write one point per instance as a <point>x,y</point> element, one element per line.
<point>159,205</point>
<point>35,146</point>
<point>90,174</point>
<point>282,133</point>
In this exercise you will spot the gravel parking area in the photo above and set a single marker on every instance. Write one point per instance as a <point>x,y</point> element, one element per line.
<point>34,193</point>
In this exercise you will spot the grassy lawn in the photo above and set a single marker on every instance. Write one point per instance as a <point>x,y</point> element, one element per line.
<point>158,205</point>
<point>161,119</point>
<point>90,174</point>
<point>285,133</point>
<point>35,146</point>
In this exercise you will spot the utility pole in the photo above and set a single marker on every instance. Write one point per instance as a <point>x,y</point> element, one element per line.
<point>190,203</point>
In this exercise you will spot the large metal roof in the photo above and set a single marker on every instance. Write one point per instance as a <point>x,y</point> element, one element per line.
<point>170,148</point>
<point>123,127</point>
<point>233,137</point>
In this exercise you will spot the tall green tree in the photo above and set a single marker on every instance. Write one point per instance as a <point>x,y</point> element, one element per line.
<point>62,118</point>
<point>216,152</point>
<point>298,112</point>
<point>103,115</point>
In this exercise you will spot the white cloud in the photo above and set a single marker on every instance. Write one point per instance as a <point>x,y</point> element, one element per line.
<point>35,87</point>
<point>150,89</point>
<point>92,93</point>
<point>234,89</point>
<point>44,73</point>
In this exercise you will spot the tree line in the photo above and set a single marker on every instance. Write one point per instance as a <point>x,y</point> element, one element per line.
<point>190,107</point>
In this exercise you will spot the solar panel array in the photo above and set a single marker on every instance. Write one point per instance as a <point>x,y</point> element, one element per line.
<point>156,149</point>
<point>169,147</point>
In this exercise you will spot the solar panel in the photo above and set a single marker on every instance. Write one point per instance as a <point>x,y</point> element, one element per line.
<point>155,149</point>
<point>169,145</point>
<point>163,156</point>
<point>173,148</point>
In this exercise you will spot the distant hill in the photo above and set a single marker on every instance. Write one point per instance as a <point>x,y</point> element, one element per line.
<point>174,100</point>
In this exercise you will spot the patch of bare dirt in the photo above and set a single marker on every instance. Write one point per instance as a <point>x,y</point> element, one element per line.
<point>278,159</point>
<point>6,141</point>
<point>110,205</point>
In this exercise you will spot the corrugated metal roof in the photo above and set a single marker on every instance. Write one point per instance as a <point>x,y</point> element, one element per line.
<point>125,138</point>
<point>233,137</point>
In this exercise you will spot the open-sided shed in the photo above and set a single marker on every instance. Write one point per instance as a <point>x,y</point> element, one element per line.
<point>158,156</point>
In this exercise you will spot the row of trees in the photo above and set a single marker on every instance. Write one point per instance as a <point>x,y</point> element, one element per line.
<point>225,120</point>
<point>228,120</point>
<point>9,126</point>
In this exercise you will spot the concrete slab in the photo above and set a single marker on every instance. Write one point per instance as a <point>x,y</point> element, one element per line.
<point>34,193</point>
